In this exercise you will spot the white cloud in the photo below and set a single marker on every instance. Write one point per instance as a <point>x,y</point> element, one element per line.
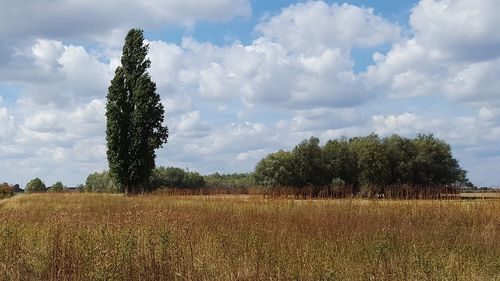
<point>315,26</point>
<point>100,19</point>
<point>320,119</point>
<point>404,124</point>
<point>453,52</point>
<point>47,53</point>
<point>7,124</point>
<point>461,29</point>
<point>192,125</point>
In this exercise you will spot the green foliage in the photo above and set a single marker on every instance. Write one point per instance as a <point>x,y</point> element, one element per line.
<point>80,187</point>
<point>363,162</point>
<point>175,177</point>
<point>35,185</point>
<point>372,160</point>
<point>434,163</point>
<point>135,115</point>
<point>101,182</point>
<point>277,169</point>
<point>308,163</point>
<point>340,161</point>
<point>57,187</point>
<point>236,180</point>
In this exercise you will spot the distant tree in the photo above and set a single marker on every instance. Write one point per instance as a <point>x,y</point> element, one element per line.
<point>135,115</point>
<point>35,185</point>
<point>434,163</point>
<point>235,180</point>
<point>369,163</point>
<point>309,164</point>
<point>193,180</point>
<point>57,187</point>
<point>340,161</point>
<point>80,187</point>
<point>400,154</point>
<point>175,177</point>
<point>101,182</point>
<point>167,177</point>
<point>276,169</point>
<point>373,162</point>
<point>6,190</point>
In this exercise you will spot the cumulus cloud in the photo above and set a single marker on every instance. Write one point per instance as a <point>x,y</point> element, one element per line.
<point>99,19</point>
<point>458,29</point>
<point>315,26</point>
<point>192,125</point>
<point>453,51</point>
<point>7,124</point>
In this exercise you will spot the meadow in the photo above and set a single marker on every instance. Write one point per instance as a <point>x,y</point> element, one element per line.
<point>244,237</point>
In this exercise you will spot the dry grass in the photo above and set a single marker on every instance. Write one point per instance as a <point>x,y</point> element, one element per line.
<point>113,237</point>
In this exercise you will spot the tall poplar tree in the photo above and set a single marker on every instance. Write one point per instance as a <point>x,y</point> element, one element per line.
<point>134,127</point>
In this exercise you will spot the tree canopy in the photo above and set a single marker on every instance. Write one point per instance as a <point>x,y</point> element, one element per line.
<point>363,161</point>
<point>35,185</point>
<point>135,115</point>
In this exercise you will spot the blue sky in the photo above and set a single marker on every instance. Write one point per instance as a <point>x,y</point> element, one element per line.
<point>241,79</point>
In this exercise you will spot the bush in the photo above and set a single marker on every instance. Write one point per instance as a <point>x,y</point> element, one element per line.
<point>101,182</point>
<point>57,187</point>
<point>35,185</point>
<point>236,180</point>
<point>175,177</point>
<point>6,190</point>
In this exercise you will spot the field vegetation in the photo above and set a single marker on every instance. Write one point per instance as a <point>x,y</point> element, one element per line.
<point>89,236</point>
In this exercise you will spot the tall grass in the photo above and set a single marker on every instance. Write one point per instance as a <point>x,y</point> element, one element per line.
<point>157,237</point>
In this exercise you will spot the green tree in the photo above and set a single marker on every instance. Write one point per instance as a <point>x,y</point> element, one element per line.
<point>175,177</point>
<point>276,169</point>
<point>340,161</point>
<point>57,187</point>
<point>135,115</point>
<point>400,154</point>
<point>101,182</point>
<point>167,177</point>
<point>309,163</point>
<point>35,185</point>
<point>434,163</point>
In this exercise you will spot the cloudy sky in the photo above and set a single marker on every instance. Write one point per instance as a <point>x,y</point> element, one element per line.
<point>243,78</point>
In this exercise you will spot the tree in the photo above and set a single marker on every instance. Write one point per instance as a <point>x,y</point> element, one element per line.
<point>434,163</point>
<point>101,182</point>
<point>340,161</point>
<point>57,187</point>
<point>276,169</point>
<point>373,163</point>
<point>175,177</point>
<point>35,185</point>
<point>309,163</point>
<point>135,115</point>
<point>400,152</point>
<point>6,190</point>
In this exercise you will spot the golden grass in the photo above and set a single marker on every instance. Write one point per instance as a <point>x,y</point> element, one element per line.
<point>114,237</point>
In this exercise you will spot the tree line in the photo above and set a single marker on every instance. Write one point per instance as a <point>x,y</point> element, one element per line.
<point>368,161</point>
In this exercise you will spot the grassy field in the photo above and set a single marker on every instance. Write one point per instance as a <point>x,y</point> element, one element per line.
<point>113,237</point>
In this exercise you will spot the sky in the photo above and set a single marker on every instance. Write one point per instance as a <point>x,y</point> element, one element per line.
<point>243,78</point>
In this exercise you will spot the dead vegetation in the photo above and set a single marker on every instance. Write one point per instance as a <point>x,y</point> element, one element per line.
<point>245,237</point>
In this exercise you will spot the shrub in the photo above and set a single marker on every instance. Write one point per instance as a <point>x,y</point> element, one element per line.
<point>57,187</point>
<point>101,182</point>
<point>6,190</point>
<point>35,185</point>
<point>175,177</point>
